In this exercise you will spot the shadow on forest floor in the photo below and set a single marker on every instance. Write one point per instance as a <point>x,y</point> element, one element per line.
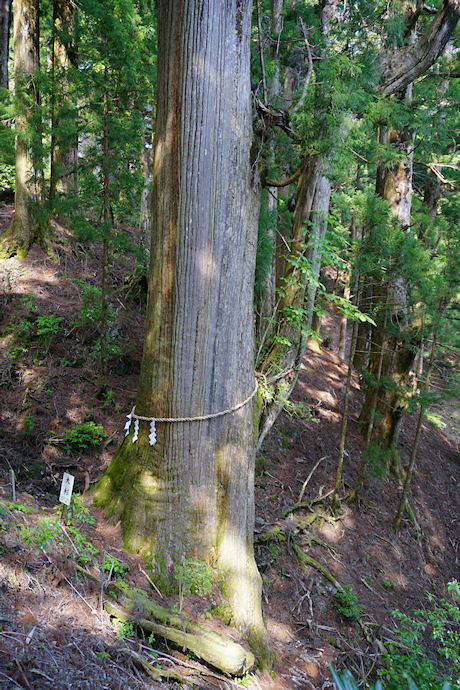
<point>51,638</point>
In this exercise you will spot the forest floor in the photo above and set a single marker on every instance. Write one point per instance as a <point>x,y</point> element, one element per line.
<point>52,631</point>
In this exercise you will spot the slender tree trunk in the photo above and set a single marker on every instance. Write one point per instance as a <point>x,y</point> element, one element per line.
<point>265,316</point>
<point>410,469</point>
<point>5,22</point>
<point>192,493</point>
<point>288,348</point>
<point>346,294</point>
<point>146,163</point>
<point>102,387</point>
<point>361,357</point>
<point>64,145</point>
<point>296,306</point>
<point>370,416</point>
<point>28,225</point>
<point>343,432</point>
<point>314,340</point>
<point>400,345</point>
<point>384,406</point>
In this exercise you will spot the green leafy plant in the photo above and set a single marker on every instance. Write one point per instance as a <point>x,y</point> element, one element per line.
<point>28,425</point>
<point>346,601</point>
<point>194,577</point>
<point>125,630</point>
<point>389,584</point>
<point>48,325</point>
<point>84,435</point>
<point>299,410</point>
<point>102,655</point>
<point>86,550</point>
<point>75,512</point>
<point>113,566</point>
<point>45,533</point>
<point>7,176</point>
<point>108,399</point>
<point>89,313</point>
<point>408,654</point>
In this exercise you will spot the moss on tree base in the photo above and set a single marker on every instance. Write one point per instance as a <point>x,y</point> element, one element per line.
<point>17,243</point>
<point>210,646</point>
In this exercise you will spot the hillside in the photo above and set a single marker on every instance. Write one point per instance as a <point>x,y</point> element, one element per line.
<point>52,631</point>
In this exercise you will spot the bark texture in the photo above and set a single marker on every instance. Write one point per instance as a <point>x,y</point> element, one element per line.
<point>409,62</point>
<point>394,350</point>
<point>27,225</point>
<point>64,162</point>
<point>192,494</point>
<point>5,22</point>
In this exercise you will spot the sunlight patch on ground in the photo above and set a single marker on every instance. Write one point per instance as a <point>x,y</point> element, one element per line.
<point>393,576</point>
<point>333,532</point>
<point>346,519</point>
<point>73,414</point>
<point>436,542</point>
<point>280,632</point>
<point>327,398</point>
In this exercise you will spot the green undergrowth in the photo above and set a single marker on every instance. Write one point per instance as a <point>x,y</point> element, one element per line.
<point>346,682</point>
<point>84,435</point>
<point>346,602</point>
<point>439,622</point>
<point>405,662</point>
<point>50,531</point>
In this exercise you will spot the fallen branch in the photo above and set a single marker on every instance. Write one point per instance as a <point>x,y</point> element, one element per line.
<point>155,673</point>
<point>225,655</point>
<point>304,486</point>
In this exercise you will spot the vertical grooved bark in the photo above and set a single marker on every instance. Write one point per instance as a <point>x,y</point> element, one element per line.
<point>192,493</point>
<point>5,21</point>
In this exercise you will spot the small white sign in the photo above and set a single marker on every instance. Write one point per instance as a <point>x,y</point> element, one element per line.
<point>66,488</point>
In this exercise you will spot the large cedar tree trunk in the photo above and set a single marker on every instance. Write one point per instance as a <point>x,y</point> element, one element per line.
<point>192,494</point>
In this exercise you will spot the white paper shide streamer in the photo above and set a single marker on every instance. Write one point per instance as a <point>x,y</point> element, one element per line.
<point>136,430</point>
<point>153,431</point>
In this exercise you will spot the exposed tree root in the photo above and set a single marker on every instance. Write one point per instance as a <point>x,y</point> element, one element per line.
<point>13,244</point>
<point>308,560</point>
<point>224,654</point>
<point>210,646</point>
<point>279,534</point>
<point>157,674</point>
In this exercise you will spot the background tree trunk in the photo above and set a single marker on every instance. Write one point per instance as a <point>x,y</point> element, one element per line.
<point>267,309</point>
<point>191,494</point>
<point>64,156</point>
<point>28,226</point>
<point>5,22</point>
<point>400,343</point>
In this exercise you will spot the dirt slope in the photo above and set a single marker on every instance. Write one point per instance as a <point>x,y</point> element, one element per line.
<point>52,633</point>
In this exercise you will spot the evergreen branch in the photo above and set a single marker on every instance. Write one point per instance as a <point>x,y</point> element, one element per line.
<point>409,62</point>
<point>283,183</point>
